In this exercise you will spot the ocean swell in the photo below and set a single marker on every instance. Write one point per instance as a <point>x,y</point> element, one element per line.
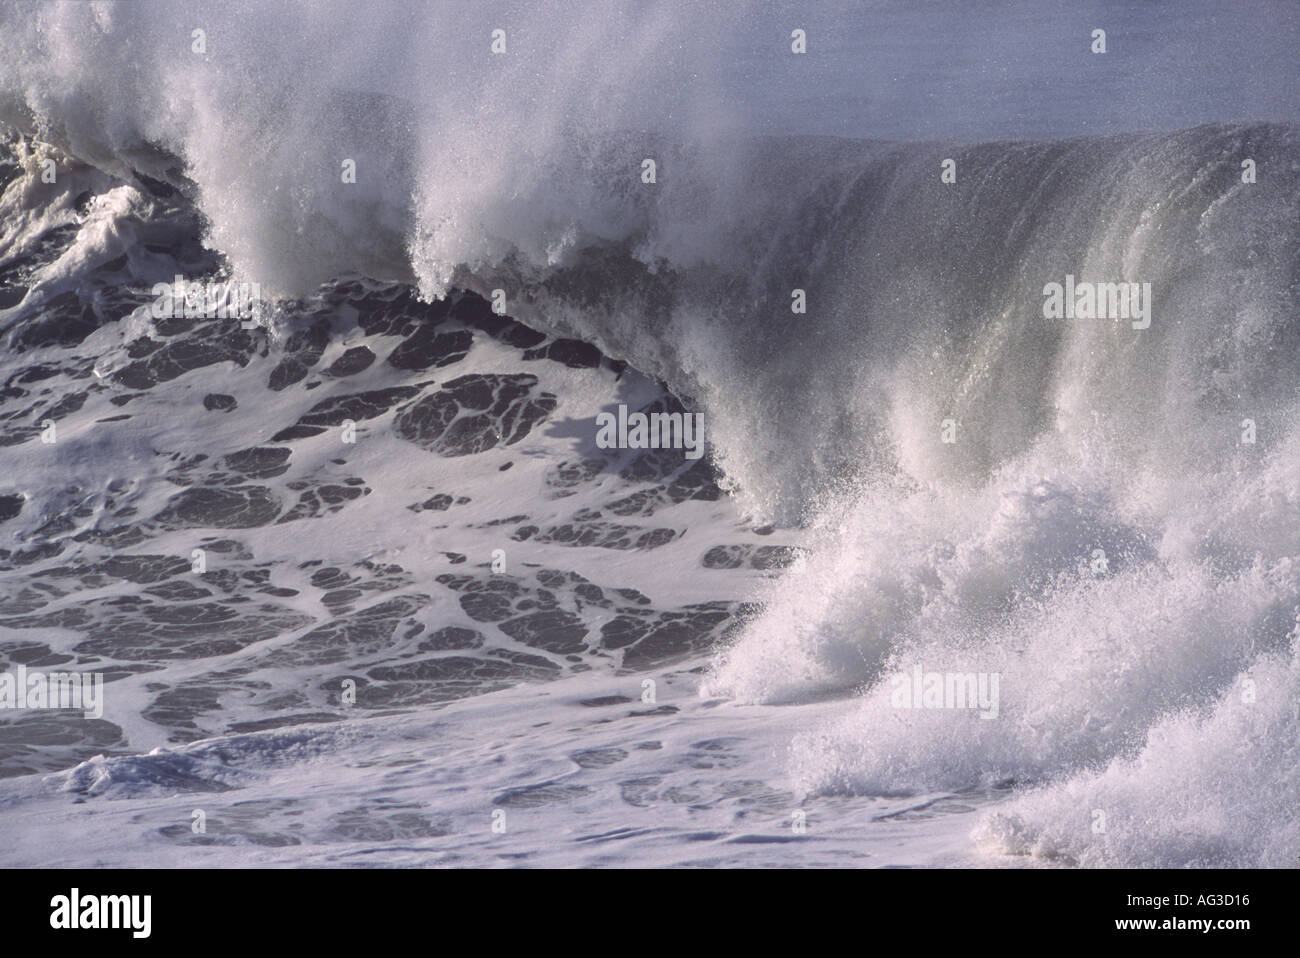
<point>1077,505</point>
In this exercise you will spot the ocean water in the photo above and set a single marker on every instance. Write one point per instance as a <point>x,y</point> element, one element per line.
<point>365,589</point>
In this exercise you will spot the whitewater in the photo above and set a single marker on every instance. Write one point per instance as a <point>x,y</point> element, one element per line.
<point>364,583</point>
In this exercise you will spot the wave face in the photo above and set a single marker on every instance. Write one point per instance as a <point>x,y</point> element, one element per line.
<point>1114,528</point>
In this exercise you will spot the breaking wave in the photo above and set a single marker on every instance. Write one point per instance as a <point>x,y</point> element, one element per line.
<point>1115,527</point>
